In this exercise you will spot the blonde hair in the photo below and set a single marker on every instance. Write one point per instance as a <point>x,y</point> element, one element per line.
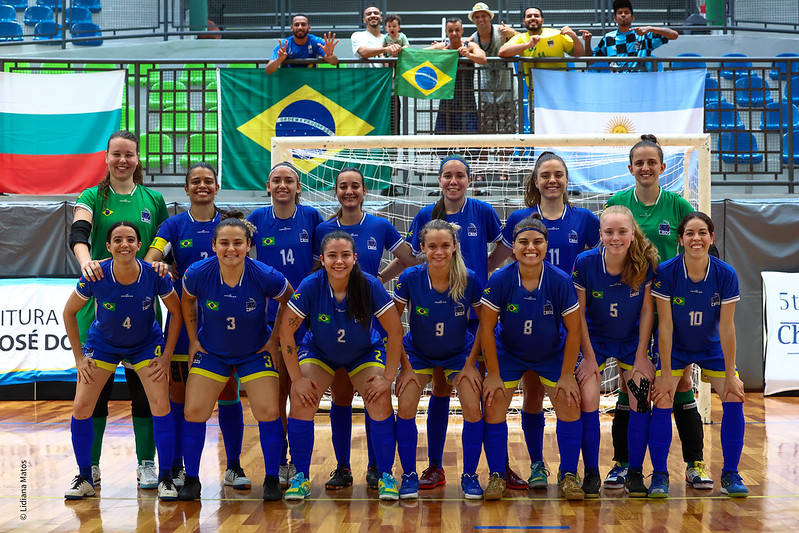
<point>641,255</point>
<point>458,277</point>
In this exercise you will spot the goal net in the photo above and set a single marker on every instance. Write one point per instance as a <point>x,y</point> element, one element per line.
<point>401,177</point>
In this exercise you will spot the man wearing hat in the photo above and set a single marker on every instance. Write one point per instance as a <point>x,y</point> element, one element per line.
<point>497,109</point>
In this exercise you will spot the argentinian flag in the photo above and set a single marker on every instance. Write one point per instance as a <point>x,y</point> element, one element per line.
<point>601,103</point>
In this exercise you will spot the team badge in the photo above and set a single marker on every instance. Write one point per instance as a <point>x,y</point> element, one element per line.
<point>304,236</point>
<point>371,243</point>
<point>146,303</point>
<point>634,293</point>
<point>715,301</point>
<point>548,309</point>
<point>573,237</point>
<point>459,309</point>
<point>664,228</point>
<point>471,230</point>
<point>145,216</point>
<point>198,357</point>
<point>251,305</point>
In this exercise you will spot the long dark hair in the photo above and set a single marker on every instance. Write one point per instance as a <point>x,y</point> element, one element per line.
<point>359,294</point>
<point>363,185</point>
<point>692,215</point>
<point>532,196</point>
<point>138,175</point>
<point>122,223</point>
<point>439,209</point>
<point>647,141</point>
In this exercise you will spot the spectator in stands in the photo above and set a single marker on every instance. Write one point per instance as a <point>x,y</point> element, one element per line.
<point>627,41</point>
<point>394,33</point>
<point>369,42</point>
<point>459,115</point>
<point>303,45</point>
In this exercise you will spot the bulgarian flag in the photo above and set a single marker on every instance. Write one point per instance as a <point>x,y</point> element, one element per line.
<point>54,129</point>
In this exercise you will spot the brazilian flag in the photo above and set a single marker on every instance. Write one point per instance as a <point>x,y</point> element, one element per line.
<point>213,306</point>
<point>678,300</point>
<point>110,306</point>
<point>422,311</point>
<point>427,74</point>
<point>186,243</point>
<point>324,319</point>
<point>513,308</point>
<point>597,294</point>
<point>300,102</point>
<point>268,241</point>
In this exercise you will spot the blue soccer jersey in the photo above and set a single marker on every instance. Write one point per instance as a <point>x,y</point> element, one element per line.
<point>331,333</point>
<point>612,308</point>
<point>438,324</point>
<point>372,235</point>
<point>233,318</point>
<point>575,230</point>
<point>285,244</point>
<point>531,322</point>
<point>479,224</point>
<point>696,307</point>
<point>124,314</point>
<point>309,50</point>
<point>190,240</point>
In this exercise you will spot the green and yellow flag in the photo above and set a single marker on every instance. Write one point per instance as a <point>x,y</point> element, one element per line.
<point>427,74</point>
<point>299,102</point>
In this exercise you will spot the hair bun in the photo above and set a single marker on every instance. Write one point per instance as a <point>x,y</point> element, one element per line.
<point>649,137</point>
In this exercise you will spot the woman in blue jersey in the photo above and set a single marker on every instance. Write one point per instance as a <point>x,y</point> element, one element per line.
<point>338,304</point>
<point>571,230</point>
<point>539,330</point>
<point>695,294</point>
<point>124,328</point>
<point>372,235</point>
<point>616,308</point>
<point>438,294</point>
<point>226,295</point>
<point>283,239</point>
<point>187,236</point>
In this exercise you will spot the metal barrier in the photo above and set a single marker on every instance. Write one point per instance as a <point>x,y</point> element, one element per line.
<point>750,110</point>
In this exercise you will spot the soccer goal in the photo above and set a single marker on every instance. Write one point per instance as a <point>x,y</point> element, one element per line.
<point>401,177</point>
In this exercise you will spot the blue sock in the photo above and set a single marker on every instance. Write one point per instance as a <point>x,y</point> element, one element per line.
<point>591,436</point>
<point>496,445</point>
<point>82,437</point>
<point>407,442</point>
<point>570,437</point>
<point>638,438</point>
<point>370,447</point>
<point>472,439</point>
<point>660,439</point>
<point>193,442</point>
<point>164,435</point>
<point>732,434</point>
<point>271,436</point>
<point>341,433</point>
<point>533,428</point>
<point>384,435</point>
<point>437,421</point>
<point>231,423</point>
<point>177,419</point>
<point>301,443</point>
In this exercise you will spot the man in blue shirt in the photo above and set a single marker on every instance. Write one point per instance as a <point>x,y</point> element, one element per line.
<point>303,45</point>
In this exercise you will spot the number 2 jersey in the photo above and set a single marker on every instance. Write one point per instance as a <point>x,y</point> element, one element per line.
<point>233,318</point>
<point>124,314</point>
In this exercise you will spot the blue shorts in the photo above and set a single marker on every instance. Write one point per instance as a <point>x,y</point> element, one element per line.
<point>511,369</point>
<point>109,361</point>
<point>622,351</point>
<point>248,367</point>
<point>710,361</point>
<point>376,357</point>
<point>451,365</point>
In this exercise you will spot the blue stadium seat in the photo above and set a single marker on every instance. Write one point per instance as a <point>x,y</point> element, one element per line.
<point>712,93</point>
<point>720,116</point>
<point>739,147</point>
<point>92,5</point>
<point>7,13</point>
<point>793,96</point>
<point>10,31</point>
<point>731,71</point>
<point>19,5</point>
<point>76,15</point>
<point>87,29</point>
<point>36,14</point>
<point>55,5</point>
<point>688,64</point>
<point>752,91</point>
<point>50,32</point>
<point>775,117</point>
<point>793,153</point>
<point>780,70</point>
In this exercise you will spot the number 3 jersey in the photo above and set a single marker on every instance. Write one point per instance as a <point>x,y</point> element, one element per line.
<point>233,318</point>
<point>531,322</point>
<point>124,314</point>
<point>331,333</point>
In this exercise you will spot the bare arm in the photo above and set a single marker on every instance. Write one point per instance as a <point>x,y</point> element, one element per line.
<point>668,33</point>
<point>510,50</point>
<point>498,256</point>
<point>282,54</point>
<point>328,49</point>
<point>579,49</point>
<point>474,52</point>
<point>83,365</point>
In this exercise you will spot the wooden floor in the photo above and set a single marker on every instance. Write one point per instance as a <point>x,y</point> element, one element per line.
<point>36,438</point>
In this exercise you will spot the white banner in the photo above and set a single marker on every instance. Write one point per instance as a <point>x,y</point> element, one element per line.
<point>781,331</point>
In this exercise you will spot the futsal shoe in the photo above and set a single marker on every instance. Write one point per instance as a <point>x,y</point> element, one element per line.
<point>96,475</point>
<point>79,489</point>
<point>513,481</point>
<point>696,475</point>
<point>146,476</point>
<point>470,484</point>
<point>234,477</point>
<point>591,484</point>
<point>634,484</point>
<point>372,477</point>
<point>432,477</point>
<point>732,485</point>
<point>659,488</point>
<point>272,492</point>
<point>538,476</point>
<point>167,492</point>
<point>617,477</point>
<point>388,487</point>
<point>190,490</point>
<point>287,471</point>
<point>178,476</point>
<point>495,488</point>
<point>569,488</point>
<point>340,478</point>
<point>299,488</point>
<point>410,486</point>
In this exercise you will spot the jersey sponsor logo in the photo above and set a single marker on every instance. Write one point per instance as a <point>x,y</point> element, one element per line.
<point>146,303</point>
<point>186,243</point>
<point>213,306</point>
<point>107,212</point>
<point>548,308</point>
<point>145,216</point>
<point>664,228</point>
<point>324,319</point>
<point>573,237</point>
<point>422,311</point>
<point>715,300</point>
<point>109,306</point>
<point>512,308</point>
<point>550,43</point>
<point>597,294</point>
<point>251,305</point>
<point>678,300</point>
<point>267,241</point>
<point>471,230</point>
<point>304,235</point>
<point>371,243</point>
<point>459,309</point>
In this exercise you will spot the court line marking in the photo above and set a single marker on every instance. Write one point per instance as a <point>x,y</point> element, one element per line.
<point>424,500</point>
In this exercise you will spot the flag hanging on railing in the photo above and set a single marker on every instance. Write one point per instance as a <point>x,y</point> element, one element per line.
<point>426,74</point>
<point>54,129</point>
<point>256,106</point>
<point>601,103</point>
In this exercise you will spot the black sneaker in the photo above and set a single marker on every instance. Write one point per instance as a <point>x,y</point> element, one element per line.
<point>372,477</point>
<point>272,492</point>
<point>634,485</point>
<point>191,489</point>
<point>591,484</point>
<point>340,478</point>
